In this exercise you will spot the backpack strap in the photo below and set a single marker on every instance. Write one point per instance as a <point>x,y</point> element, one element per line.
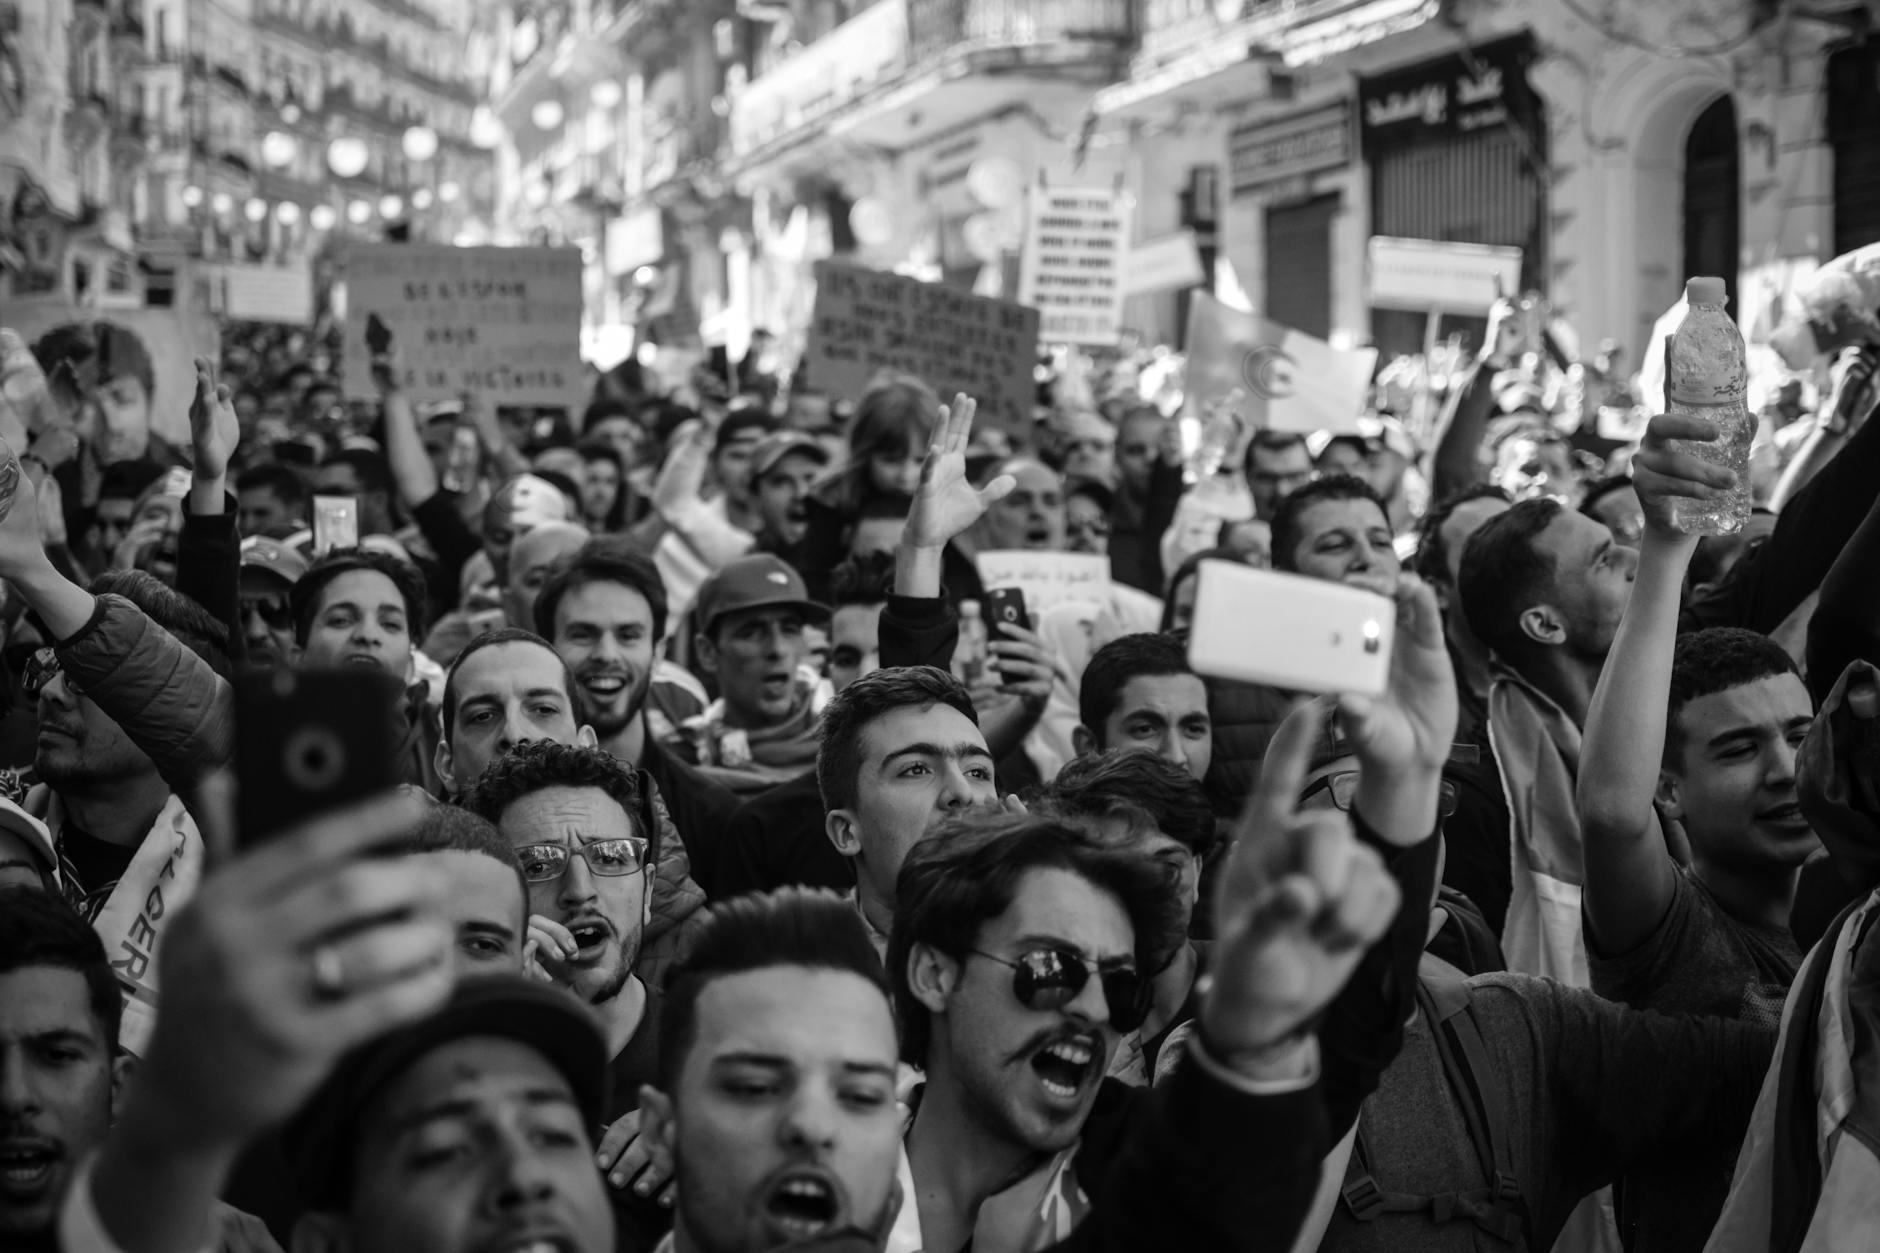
<point>1498,1208</point>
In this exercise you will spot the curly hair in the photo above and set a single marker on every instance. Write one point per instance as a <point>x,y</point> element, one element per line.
<point>539,764</point>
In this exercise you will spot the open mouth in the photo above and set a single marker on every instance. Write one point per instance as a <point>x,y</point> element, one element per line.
<point>1065,1066</point>
<point>590,938</point>
<point>536,1244</point>
<point>1038,536</point>
<point>777,686</point>
<point>604,686</point>
<point>802,1204</point>
<point>1789,815</point>
<point>26,1169</point>
<point>365,661</point>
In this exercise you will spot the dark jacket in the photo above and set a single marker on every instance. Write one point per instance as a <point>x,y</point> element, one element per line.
<point>777,838</point>
<point>700,809</point>
<point>1137,527</point>
<point>209,570</point>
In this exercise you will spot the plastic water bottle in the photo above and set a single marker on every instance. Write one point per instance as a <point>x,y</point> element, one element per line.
<point>9,478</point>
<point>969,655</point>
<point>1220,435</point>
<point>1707,377</point>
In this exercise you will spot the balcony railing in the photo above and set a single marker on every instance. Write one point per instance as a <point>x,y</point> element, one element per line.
<point>232,78</point>
<point>936,27</point>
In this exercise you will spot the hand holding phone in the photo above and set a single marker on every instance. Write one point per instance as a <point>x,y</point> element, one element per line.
<point>1290,632</point>
<point>309,741</point>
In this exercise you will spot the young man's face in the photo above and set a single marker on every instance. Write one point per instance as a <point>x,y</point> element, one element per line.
<point>1086,526</point>
<point>507,694</point>
<point>124,409</point>
<point>755,654</point>
<point>605,912</point>
<point>267,619</point>
<point>1733,781</point>
<point>485,907</point>
<point>1136,442</point>
<point>1032,516</point>
<point>360,621</point>
<point>919,767</point>
<point>1166,714</point>
<point>112,523</point>
<point>531,561</point>
<point>854,644</point>
<point>1031,1075</point>
<point>783,1124</point>
<point>79,746</point>
<point>782,493</point>
<point>1275,473</point>
<point>1349,542</point>
<point>480,1141</point>
<point>1592,582</point>
<point>604,631</point>
<point>57,1087</point>
<point>732,464</point>
<point>1528,468</point>
<point>262,510</point>
<point>600,488</point>
<point>1465,520</point>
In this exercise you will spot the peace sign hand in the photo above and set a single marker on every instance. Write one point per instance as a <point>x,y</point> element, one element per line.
<point>946,504</point>
<point>1297,906</point>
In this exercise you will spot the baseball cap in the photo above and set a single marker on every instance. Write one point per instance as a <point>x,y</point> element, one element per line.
<point>760,581</point>
<point>742,423</point>
<point>34,832</point>
<point>318,1141</point>
<point>276,558</point>
<point>777,445</point>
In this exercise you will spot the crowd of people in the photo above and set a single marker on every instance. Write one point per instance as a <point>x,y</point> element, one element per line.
<point>744,893</point>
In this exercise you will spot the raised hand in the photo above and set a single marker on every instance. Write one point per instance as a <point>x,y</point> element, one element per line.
<point>1414,723</point>
<point>214,430</point>
<point>1022,663</point>
<point>946,504</point>
<point>1296,906</point>
<point>1663,475</point>
<point>22,534</point>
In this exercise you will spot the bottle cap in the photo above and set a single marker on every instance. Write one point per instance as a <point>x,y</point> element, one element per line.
<point>1704,291</point>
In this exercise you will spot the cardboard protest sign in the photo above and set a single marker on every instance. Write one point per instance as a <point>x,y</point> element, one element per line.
<point>1071,270</point>
<point>1048,579</point>
<point>1279,379</point>
<point>866,322</point>
<point>142,369</point>
<point>504,322</point>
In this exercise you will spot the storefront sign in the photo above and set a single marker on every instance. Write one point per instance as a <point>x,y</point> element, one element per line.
<point>836,69</point>
<point>1451,96</point>
<point>866,321</point>
<point>504,322</point>
<point>1266,153</point>
<point>1425,276</point>
<point>1071,270</point>
<point>1170,263</point>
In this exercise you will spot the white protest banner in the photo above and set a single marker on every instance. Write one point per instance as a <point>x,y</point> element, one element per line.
<point>161,342</point>
<point>1284,380</point>
<point>504,322</point>
<point>1166,264</point>
<point>1048,579</point>
<point>866,321</point>
<point>1071,271</point>
<point>1421,274</point>
<point>262,293</point>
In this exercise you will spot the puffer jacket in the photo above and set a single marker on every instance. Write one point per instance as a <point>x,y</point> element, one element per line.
<point>678,901</point>
<point>1245,716</point>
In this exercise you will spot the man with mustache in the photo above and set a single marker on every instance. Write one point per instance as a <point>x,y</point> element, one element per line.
<point>605,613</point>
<point>784,467</point>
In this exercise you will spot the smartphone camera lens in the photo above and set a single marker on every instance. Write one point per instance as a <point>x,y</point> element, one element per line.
<point>314,758</point>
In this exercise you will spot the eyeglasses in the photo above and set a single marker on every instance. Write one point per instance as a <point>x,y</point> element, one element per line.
<point>545,863</point>
<point>274,608</point>
<point>1051,978</point>
<point>42,668</point>
<point>1087,526</point>
<point>1344,787</point>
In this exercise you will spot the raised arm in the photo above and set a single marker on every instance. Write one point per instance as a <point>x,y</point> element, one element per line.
<point>404,446</point>
<point>945,505</point>
<point>1456,460</point>
<point>208,550</point>
<point>1629,872</point>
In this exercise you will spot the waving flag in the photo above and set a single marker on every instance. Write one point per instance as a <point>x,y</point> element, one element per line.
<point>1287,381</point>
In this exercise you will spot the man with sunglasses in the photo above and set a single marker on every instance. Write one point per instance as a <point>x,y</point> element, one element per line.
<point>269,570</point>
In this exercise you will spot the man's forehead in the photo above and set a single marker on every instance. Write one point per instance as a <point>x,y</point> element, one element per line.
<point>805,1015</point>
<point>512,666</point>
<point>41,1000</point>
<point>1163,693</point>
<point>552,812</point>
<point>605,600</point>
<point>478,1071</point>
<point>1773,700</point>
<point>902,728</point>
<point>1062,906</point>
<point>363,586</point>
<point>1341,511</point>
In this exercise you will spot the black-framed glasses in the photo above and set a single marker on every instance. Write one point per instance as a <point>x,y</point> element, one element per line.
<point>545,863</point>
<point>1343,785</point>
<point>1051,978</point>
<point>42,668</point>
<point>275,608</point>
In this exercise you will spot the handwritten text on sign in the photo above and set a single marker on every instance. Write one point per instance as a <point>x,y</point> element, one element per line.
<point>866,321</point>
<point>1072,267</point>
<point>1047,579</point>
<point>505,322</point>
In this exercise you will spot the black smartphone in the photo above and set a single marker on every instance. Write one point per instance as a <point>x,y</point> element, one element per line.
<point>378,335</point>
<point>310,741</point>
<point>1005,607</point>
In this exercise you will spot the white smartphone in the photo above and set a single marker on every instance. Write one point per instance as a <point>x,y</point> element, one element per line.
<point>1291,632</point>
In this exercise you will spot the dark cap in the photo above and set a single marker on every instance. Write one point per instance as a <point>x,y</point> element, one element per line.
<point>760,581</point>
<point>777,445</point>
<point>261,553</point>
<point>747,422</point>
<point>548,1020</point>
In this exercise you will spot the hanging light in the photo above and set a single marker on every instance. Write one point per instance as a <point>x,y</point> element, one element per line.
<point>448,192</point>
<point>358,213</point>
<point>347,156</point>
<point>192,196</point>
<point>222,203</point>
<point>290,113</point>
<point>278,149</point>
<point>390,206</point>
<point>485,130</point>
<point>421,199</point>
<point>420,143</point>
<point>256,210</point>
<point>535,195</point>
<point>287,213</point>
<point>322,217</point>
<point>605,94</point>
<point>547,114</point>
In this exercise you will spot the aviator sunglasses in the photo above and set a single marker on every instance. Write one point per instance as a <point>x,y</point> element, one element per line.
<point>1051,978</point>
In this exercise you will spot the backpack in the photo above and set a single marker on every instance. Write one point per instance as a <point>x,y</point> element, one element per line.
<point>1498,1207</point>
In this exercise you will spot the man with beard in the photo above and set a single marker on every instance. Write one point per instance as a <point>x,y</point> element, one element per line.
<point>605,613</point>
<point>508,687</point>
<point>578,825</point>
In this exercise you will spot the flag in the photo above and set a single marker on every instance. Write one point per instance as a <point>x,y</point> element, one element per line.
<point>1288,381</point>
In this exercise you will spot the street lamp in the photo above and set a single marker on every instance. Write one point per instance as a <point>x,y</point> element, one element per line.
<point>390,206</point>
<point>192,196</point>
<point>256,210</point>
<point>421,199</point>
<point>547,114</point>
<point>420,143</point>
<point>278,149</point>
<point>347,156</point>
<point>448,192</point>
<point>358,213</point>
<point>485,130</point>
<point>287,212</point>
<point>222,203</point>
<point>605,94</point>
<point>322,217</point>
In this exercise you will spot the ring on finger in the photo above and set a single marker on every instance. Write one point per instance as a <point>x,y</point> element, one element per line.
<point>329,973</point>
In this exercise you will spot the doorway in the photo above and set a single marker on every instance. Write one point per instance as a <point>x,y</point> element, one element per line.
<point>1713,197</point>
